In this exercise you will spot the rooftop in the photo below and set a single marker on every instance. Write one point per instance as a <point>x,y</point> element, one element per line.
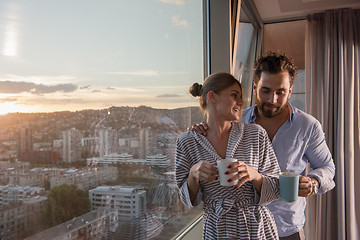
<point>64,228</point>
<point>122,189</point>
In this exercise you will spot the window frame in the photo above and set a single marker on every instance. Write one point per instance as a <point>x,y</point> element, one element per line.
<point>217,37</point>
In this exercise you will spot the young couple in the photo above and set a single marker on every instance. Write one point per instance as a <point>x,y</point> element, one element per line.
<point>283,139</point>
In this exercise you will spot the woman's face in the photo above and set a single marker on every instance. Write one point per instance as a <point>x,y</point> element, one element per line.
<point>228,103</point>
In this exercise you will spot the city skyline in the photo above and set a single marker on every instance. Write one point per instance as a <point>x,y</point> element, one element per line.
<point>44,153</point>
<point>69,56</point>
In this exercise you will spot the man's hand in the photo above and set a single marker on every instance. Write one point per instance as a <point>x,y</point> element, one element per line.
<point>200,128</point>
<point>305,186</point>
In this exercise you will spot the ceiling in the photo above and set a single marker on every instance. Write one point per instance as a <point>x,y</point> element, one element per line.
<point>280,10</point>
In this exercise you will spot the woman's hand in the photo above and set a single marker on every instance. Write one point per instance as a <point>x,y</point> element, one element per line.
<point>203,171</point>
<point>245,174</point>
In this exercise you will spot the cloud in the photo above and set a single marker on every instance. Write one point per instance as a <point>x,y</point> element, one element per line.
<point>96,91</point>
<point>37,79</point>
<point>176,2</point>
<point>146,73</point>
<point>85,87</point>
<point>174,73</point>
<point>4,100</point>
<point>168,96</point>
<point>135,90</point>
<point>55,99</point>
<point>125,89</point>
<point>20,87</point>
<point>85,100</point>
<point>179,22</point>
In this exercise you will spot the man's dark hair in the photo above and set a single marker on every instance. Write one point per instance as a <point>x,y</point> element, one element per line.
<point>274,63</point>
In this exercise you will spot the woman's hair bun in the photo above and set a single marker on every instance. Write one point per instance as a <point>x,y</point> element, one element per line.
<point>195,89</point>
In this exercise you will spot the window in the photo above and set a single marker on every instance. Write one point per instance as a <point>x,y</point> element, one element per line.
<point>245,50</point>
<point>282,37</point>
<point>103,88</point>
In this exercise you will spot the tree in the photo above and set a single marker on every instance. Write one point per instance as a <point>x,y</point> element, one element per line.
<point>47,184</point>
<point>64,203</point>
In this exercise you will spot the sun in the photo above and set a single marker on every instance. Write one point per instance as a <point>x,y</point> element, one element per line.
<point>9,107</point>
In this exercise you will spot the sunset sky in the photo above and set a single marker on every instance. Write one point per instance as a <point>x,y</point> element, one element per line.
<point>91,54</point>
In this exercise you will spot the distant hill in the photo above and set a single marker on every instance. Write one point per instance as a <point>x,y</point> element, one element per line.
<point>49,126</point>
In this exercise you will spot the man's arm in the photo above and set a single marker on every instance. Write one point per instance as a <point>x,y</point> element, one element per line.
<point>320,159</point>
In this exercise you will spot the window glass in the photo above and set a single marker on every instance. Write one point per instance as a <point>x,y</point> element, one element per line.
<point>245,55</point>
<point>289,38</point>
<point>93,95</point>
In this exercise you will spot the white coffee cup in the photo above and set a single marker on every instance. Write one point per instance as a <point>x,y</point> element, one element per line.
<point>222,166</point>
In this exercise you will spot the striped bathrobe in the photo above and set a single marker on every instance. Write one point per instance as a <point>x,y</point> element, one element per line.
<point>232,213</point>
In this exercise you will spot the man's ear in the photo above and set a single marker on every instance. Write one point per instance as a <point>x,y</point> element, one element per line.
<point>290,91</point>
<point>254,87</point>
<point>211,96</point>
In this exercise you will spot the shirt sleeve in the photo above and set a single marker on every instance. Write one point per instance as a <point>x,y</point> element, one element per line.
<point>320,159</point>
<point>269,169</point>
<point>183,165</point>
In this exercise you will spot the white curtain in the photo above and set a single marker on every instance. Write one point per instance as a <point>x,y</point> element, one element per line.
<point>332,58</point>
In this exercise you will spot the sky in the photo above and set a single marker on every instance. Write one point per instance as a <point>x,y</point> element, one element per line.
<point>93,54</point>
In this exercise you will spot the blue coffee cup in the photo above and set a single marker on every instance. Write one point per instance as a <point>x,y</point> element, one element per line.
<point>289,186</point>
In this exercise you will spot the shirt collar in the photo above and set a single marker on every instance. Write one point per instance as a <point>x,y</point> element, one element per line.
<point>292,112</point>
<point>252,115</point>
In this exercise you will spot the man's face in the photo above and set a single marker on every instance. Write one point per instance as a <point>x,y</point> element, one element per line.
<point>272,93</point>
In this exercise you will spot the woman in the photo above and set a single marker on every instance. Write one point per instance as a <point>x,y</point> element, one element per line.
<point>230,212</point>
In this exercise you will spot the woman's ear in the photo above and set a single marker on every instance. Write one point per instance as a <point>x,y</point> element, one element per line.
<point>211,96</point>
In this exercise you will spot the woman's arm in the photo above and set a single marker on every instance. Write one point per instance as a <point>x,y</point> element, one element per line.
<point>188,174</point>
<point>269,169</point>
<point>202,171</point>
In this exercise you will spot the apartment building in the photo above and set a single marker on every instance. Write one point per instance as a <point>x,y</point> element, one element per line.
<point>158,160</point>
<point>128,202</point>
<point>17,194</point>
<point>19,219</point>
<point>27,179</point>
<point>71,145</point>
<point>86,179</point>
<point>96,224</point>
<point>112,158</point>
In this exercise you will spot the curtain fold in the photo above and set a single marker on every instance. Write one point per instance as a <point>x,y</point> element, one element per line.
<point>332,59</point>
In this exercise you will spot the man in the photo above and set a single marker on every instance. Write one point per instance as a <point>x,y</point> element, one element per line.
<point>296,136</point>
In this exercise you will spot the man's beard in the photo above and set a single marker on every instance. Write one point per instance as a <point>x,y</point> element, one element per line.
<point>269,113</point>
